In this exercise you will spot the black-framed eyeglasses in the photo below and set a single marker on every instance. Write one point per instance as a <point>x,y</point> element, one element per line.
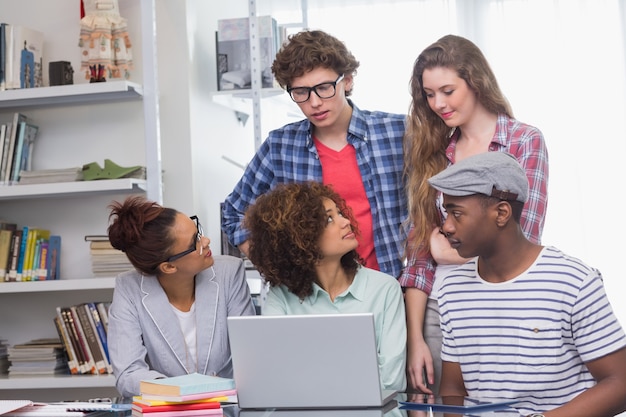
<point>198,240</point>
<point>323,90</point>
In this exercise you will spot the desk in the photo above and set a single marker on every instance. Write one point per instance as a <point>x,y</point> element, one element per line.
<point>391,410</point>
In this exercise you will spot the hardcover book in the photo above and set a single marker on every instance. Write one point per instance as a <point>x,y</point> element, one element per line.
<point>138,399</point>
<point>189,397</point>
<point>72,363</point>
<point>83,364</point>
<point>8,169</point>
<point>91,338</point>
<point>82,340</point>
<point>5,150</point>
<point>3,55</point>
<point>3,133</point>
<point>6,238</point>
<point>14,256</point>
<point>24,60</point>
<point>194,383</point>
<point>24,152</point>
<point>175,407</point>
<point>181,413</point>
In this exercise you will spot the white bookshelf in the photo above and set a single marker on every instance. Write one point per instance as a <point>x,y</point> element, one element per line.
<point>79,123</point>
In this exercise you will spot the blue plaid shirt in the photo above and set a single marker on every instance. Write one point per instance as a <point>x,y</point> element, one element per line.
<point>289,155</point>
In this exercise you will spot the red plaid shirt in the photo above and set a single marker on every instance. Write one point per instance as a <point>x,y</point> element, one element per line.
<point>527,144</point>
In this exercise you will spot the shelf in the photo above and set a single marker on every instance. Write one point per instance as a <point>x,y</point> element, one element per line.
<point>247,93</point>
<point>70,94</point>
<point>10,192</point>
<point>57,285</point>
<point>57,381</point>
<point>241,100</point>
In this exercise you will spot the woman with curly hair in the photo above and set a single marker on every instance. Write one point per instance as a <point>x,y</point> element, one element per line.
<point>457,111</point>
<point>303,242</point>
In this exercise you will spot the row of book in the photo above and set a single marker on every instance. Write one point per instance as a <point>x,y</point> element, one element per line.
<point>28,253</point>
<point>185,395</point>
<point>17,141</point>
<point>83,329</point>
<point>21,57</point>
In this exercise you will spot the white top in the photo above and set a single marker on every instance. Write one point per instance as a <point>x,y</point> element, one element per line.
<point>529,336</point>
<point>187,322</point>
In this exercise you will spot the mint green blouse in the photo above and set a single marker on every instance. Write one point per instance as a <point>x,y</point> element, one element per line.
<point>371,291</point>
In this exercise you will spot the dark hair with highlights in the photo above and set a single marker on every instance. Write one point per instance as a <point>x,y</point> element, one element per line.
<point>285,227</point>
<point>143,230</point>
<point>310,49</point>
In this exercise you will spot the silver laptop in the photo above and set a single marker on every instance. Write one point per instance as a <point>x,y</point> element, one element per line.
<point>306,362</point>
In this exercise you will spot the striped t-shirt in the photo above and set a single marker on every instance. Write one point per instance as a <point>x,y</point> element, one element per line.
<point>528,337</point>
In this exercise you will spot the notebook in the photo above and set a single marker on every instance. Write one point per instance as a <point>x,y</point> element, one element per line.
<point>306,362</point>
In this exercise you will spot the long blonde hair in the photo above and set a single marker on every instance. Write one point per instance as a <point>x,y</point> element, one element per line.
<point>427,136</point>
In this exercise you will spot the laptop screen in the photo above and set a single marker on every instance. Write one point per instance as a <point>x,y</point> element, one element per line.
<point>306,361</point>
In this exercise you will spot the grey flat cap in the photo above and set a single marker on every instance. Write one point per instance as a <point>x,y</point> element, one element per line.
<point>496,174</point>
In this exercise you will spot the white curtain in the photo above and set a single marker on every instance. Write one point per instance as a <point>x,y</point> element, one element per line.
<point>561,63</point>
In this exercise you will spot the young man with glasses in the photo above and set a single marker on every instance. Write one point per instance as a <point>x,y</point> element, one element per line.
<point>358,152</point>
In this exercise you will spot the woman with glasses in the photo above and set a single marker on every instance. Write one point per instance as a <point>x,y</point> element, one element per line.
<point>303,240</point>
<point>168,315</point>
<point>359,152</point>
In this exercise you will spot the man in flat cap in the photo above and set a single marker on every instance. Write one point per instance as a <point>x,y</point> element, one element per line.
<point>521,321</point>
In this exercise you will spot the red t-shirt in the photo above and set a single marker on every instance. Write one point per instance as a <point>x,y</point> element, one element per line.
<point>341,171</point>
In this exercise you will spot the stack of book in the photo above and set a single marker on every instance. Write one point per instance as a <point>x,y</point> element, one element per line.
<point>45,176</point>
<point>17,142</point>
<point>28,253</point>
<point>106,261</point>
<point>186,395</point>
<point>37,357</point>
<point>83,330</point>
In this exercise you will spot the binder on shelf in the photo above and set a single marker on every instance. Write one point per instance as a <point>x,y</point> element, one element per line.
<point>53,258</point>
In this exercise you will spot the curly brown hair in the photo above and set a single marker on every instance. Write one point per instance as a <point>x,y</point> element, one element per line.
<point>143,230</point>
<point>310,49</point>
<point>427,136</point>
<point>285,227</point>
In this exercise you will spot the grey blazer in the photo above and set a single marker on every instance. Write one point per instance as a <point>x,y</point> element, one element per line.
<point>144,337</point>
